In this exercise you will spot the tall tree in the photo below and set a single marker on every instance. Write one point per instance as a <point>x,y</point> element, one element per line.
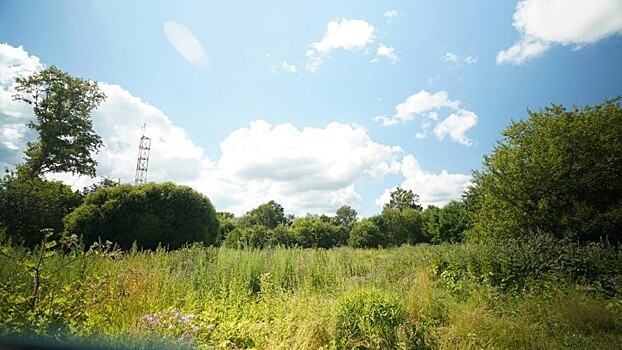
<point>269,214</point>
<point>446,224</point>
<point>345,216</point>
<point>402,199</point>
<point>559,172</point>
<point>62,106</point>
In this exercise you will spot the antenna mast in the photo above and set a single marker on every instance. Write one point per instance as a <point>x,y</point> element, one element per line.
<point>143,159</point>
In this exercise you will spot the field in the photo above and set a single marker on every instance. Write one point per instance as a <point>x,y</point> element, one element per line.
<point>541,294</point>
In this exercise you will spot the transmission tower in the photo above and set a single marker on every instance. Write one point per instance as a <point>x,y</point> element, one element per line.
<point>143,159</point>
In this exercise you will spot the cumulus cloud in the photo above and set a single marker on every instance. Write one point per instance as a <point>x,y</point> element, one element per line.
<point>302,167</point>
<point>306,170</point>
<point>433,188</point>
<point>456,125</point>
<point>459,60</point>
<point>429,107</point>
<point>545,23</point>
<point>14,62</point>
<point>185,43</point>
<point>347,34</point>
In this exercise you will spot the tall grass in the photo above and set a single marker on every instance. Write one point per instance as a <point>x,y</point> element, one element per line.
<point>423,297</point>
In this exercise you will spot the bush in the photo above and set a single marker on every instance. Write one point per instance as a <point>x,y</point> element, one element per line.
<point>150,215</point>
<point>365,234</point>
<point>312,232</point>
<point>29,205</point>
<point>368,319</point>
<point>518,265</point>
<point>256,236</point>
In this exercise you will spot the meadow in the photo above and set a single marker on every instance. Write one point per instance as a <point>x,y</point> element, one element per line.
<point>539,293</point>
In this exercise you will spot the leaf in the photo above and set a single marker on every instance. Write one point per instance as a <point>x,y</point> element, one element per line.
<point>49,245</point>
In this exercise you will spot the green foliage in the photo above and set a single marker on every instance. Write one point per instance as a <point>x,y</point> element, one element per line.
<point>446,224</point>
<point>366,234</point>
<point>103,183</point>
<point>46,293</point>
<point>62,106</point>
<point>402,199</point>
<point>345,216</point>
<point>558,171</point>
<point>256,236</point>
<point>520,264</point>
<point>29,205</point>
<point>409,297</point>
<point>313,232</point>
<point>150,215</point>
<point>368,319</point>
<point>269,214</point>
<point>399,227</point>
<point>227,222</point>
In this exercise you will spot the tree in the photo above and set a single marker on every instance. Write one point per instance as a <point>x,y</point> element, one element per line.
<point>28,205</point>
<point>402,199</point>
<point>105,182</point>
<point>149,214</point>
<point>365,234</point>
<point>446,224</point>
<point>312,232</point>
<point>62,105</point>
<point>400,227</point>
<point>256,236</point>
<point>269,214</point>
<point>345,216</point>
<point>558,172</point>
<point>227,222</point>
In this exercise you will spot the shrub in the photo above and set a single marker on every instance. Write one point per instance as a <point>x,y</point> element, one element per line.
<point>255,236</point>
<point>517,265</point>
<point>368,319</point>
<point>312,232</point>
<point>29,205</point>
<point>365,234</point>
<point>150,215</point>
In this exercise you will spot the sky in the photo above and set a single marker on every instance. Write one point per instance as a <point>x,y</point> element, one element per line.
<point>313,104</point>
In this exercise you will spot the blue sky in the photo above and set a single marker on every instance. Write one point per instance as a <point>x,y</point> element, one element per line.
<point>314,104</point>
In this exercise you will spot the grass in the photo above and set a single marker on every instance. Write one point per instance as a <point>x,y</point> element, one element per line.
<point>422,297</point>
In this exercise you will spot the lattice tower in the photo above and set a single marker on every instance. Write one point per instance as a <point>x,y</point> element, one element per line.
<point>142,164</point>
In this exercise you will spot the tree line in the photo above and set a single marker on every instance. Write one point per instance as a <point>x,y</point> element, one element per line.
<point>556,172</point>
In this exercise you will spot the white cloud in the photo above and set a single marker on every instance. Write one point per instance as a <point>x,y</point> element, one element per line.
<point>306,170</point>
<point>544,23</point>
<point>290,165</point>
<point>459,60</point>
<point>427,106</point>
<point>387,52</point>
<point>416,104</point>
<point>347,34</point>
<point>185,43</point>
<point>433,189</point>
<point>14,62</point>
<point>522,51</point>
<point>456,126</point>
<point>291,68</point>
